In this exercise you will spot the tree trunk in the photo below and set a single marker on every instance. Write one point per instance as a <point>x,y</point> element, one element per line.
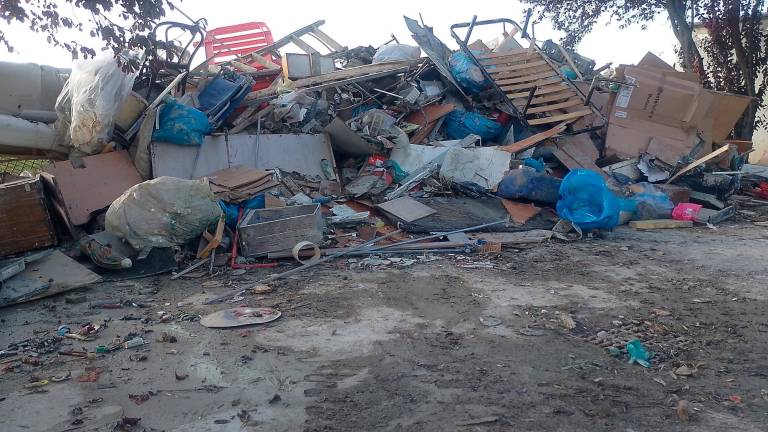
<point>745,128</point>
<point>692,59</point>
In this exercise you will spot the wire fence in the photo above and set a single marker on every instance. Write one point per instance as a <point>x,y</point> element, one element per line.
<point>12,165</point>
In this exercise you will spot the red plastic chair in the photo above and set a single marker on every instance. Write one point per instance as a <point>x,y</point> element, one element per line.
<point>225,43</point>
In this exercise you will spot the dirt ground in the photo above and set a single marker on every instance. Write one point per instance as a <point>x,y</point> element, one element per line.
<point>484,343</point>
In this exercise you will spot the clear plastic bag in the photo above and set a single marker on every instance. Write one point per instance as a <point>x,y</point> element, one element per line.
<point>89,101</point>
<point>396,52</point>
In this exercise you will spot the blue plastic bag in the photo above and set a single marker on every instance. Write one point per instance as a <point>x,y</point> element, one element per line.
<point>467,74</point>
<point>586,201</point>
<point>182,125</point>
<point>232,211</point>
<point>458,124</point>
<point>531,185</point>
<point>651,203</point>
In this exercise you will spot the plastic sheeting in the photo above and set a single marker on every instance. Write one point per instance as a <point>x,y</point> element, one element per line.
<point>89,102</point>
<point>466,72</point>
<point>396,52</point>
<point>459,124</point>
<point>163,212</point>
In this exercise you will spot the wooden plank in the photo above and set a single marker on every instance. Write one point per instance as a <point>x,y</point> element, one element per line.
<point>518,67</point>
<point>527,78</point>
<point>540,91</point>
<point>504,54</point>
<point>554,107</point>
<point>660,224</point>
<point>24,220</point>
<point>532,140</point>
<point>522,73</point>
<point>698,162</point>
<point>509,59</point>
<point>551,98</point>
<point>557,118</point>
<point>528,85</point>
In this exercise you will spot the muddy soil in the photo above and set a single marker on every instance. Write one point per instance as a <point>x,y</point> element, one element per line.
<point>515,341</point>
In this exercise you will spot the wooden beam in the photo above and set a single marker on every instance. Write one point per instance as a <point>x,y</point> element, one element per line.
<point>562,117</point>
<point>698,162</point>
<point>503,54</point>
<point>532,140</point>
<point>555,97</point>
<point>660,224</point>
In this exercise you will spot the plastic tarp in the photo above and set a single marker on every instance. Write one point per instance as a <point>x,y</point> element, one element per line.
<point>459,124</point>
<point>163,212</point>
<point>466,72</point>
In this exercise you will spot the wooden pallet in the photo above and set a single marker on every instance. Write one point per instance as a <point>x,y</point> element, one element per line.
<point>517,72</point>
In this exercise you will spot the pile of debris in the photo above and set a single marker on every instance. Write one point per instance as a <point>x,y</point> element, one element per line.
<point>258,154</point>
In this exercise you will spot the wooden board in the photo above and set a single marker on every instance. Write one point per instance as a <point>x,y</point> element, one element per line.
<point>407,209</point>
<point>556,88</point>
<point>554,107</point>
<point>93,184</point>
<point>532,140</point>
<point>59,271</point>
<point>25,223</point>
<point>517,67</point>
<point>510,59</point>
<point>553,97</point>
<point>660,224</point>
<point>527,78</point>
<point>523,72</point>
<point>503,54</point>
<point>562,117</point>
<point>531,84</point>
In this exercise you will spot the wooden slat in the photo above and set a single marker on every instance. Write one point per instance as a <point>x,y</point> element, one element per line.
<point>527,78</point>
<point>555,107</point>
<point>559,118</point>
<point>510,59</point>
<point>503,54</point>
<point>533,64</point>
<point>540,91</point>
<point>532,140</point>
<point>522,73</point>
<point>528,85</point>
<point>555,97</point>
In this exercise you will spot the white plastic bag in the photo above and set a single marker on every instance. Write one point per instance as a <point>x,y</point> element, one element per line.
<point>163,212</point>
<point>91,97</point>
<point>396,52</point>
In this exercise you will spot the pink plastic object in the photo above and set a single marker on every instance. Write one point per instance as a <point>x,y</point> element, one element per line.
<point>686,211</point>
<point>225,43</point>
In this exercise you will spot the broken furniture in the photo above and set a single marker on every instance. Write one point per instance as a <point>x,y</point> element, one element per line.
<point>25,223</point>
<point>527,80</point>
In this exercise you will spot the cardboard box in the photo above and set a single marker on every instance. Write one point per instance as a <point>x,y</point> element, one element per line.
<point>660,97</point>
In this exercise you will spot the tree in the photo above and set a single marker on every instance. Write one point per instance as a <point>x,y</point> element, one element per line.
<point>735,45</point>
<point>119,24</point>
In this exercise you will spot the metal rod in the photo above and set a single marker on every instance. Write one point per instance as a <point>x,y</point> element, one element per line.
<point>469,30</point>
<point>531,94</point>
<point>528,14</point>
<point>477,227</point>
<point>305,266</point>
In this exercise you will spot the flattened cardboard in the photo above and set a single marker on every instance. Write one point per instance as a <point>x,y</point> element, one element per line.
<point>82,191</point>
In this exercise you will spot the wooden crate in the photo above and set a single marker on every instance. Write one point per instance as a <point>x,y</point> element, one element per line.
<point>24,220</point>
<point>278,229</point>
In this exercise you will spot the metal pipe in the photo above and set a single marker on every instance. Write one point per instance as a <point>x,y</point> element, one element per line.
<point>469,30</point>
<point>477,227</point>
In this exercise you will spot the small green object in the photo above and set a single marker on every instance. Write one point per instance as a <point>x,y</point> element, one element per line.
<point>638,353</point>
<point>568,73</point>
<point>614,352</point>
<point>102,349</point>
<point>614,87</point>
